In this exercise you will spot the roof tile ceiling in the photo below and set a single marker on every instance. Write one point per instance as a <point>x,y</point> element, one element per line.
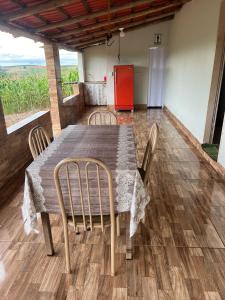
<point>77,24</point>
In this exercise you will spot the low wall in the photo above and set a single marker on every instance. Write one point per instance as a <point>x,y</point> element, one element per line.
<point>14,149</point>
<point>73,107</point>
<point>95,93</point>
<point>15,154</point>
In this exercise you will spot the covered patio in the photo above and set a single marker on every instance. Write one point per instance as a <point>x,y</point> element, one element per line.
<point>178,251</point>
<point>75,26</point>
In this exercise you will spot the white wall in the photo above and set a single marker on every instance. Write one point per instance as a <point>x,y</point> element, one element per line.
<point>99,61</point>
<point>192,45</point>
<point>95,63</point>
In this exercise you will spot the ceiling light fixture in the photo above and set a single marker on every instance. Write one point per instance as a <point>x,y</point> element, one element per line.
<point>122,33</point>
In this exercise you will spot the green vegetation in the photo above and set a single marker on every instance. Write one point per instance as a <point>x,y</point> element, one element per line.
<point>25,88</point>
<point>68,75</point>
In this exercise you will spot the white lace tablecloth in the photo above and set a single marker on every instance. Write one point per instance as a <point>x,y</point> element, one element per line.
<point>114,145</point>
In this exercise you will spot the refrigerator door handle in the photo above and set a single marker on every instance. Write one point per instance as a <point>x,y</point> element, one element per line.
<point>115,80</point>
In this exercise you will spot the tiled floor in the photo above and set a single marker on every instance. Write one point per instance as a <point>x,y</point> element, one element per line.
<point>179,251</point>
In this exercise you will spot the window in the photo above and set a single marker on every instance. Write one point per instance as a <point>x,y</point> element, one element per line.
<point>69,72</point>
<point>23,77</point>
<point>23,91</point>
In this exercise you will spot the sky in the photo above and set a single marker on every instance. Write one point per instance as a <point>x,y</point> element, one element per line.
<point>24,51</point>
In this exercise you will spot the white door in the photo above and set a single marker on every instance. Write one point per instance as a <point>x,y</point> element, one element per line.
<point>156,77</point>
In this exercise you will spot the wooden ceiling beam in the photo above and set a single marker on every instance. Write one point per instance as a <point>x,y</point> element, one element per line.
<point>23,6</point>
<point>86,6</point>
<point>18,3</point>
<point>127,27</point>
<point>99,43</point>
<point>31,10</point>
<point>184,1</point>
<point>117,20</point>
<point>93,41</point>
<point>93,15</point>
<point>63,12</point>
<point>99,34</point>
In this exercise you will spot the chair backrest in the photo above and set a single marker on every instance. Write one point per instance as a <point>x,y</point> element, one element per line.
<point>38,140</point>
<point>149,151</point>
<point>102,117</point>
<point>82,184</point>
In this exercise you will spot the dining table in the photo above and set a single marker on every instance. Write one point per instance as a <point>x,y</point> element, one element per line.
<point>115,146</point>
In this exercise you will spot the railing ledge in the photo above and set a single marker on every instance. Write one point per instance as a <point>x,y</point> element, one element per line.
<point>70,100</point>
<point>25,121</point>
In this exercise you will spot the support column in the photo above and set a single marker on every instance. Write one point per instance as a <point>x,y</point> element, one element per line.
<point>55,86</point>
<point>81,70</point>
<point>3,131</point>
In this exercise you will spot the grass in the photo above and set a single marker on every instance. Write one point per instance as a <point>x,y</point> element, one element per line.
<point>26,89</point>
<point>211,150</point>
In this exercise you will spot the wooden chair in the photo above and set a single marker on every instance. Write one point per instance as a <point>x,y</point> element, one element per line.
<point>38,140</point>
<point>102,117</point>
<point>85,172</point>
<point>149,154</point>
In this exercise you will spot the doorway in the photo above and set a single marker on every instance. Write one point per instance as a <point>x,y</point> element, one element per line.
<point>212,149</point>
<point>220,114</point>
<point>213,131</point>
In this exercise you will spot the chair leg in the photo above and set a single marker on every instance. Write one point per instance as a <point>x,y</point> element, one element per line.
<point>67,250</point>
<point>112,249</point>
<point>118,225</point>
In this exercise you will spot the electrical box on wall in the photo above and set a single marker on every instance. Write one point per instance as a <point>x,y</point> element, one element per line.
<point>158,39</point>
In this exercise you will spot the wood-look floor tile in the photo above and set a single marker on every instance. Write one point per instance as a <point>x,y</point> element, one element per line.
<point>179,250</point>
<point>119,294</point>
<point>105,287</point>
<point>149,287</point>
<point>165,295</point>
<point>212,296</point>
<point>74,293</point>
<point>90,289</point>
<point>134,279</point>
<point>178,284</point>
<point>120,278</point>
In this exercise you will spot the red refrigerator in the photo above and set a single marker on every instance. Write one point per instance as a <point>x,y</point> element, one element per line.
<point>124,87</point>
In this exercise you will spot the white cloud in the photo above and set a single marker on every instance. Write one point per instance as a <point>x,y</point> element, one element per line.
<point>24,51</point>
<point>67,57</point>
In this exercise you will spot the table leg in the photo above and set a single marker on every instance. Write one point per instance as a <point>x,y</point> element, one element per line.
<point>129,246</point>
<point>47,233</point>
